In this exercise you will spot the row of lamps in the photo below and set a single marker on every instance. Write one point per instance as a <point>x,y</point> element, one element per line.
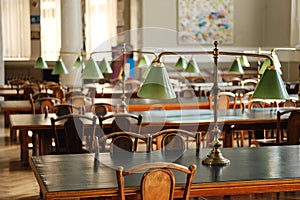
<point>157,84</point>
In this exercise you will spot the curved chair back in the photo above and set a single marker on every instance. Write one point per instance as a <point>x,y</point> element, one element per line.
<point>158,182</point>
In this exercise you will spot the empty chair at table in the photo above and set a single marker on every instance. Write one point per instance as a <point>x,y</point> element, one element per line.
<point>64,109</point>
<point>40,105</point>
<point>291,134</point>
<point>158,182</point>
<point>175,140</point>
<point>101,109</point>
<point>59,92</point>
<point>286,133</point>
<point>81,101</point>
<point>225,100</point>
<point>123,142</point>
<point>76,129</point>
<point>120,122</point>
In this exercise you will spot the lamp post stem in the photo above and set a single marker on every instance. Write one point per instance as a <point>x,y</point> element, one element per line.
<point>215,157</point>
<point>123,97</point>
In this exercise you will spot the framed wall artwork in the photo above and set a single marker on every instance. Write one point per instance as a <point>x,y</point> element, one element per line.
<point>205,21</point>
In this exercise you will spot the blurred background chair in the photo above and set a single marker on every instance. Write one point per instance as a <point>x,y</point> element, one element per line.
<point>175,139</point>
<point>123,141</point>
<point>76,129</point>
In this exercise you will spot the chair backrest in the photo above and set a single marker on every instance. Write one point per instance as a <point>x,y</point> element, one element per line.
<point>30,90</point>
<point>45,102</point>
<point>73,93</point>
<point>63,109</point>
<point>123,141</point>
<point>158,182</point>
<point>224,100</point>
<point>257,104</point>
<point>123,122</point>
<point>235,81</point>
<point>58,92</point>
<point>292,128</point>
<point>250,81</point>
<point>175,139</point>
<point>101,109</point>
<point>75,125</point>
<point>187,93</point>
<point>289,103</point>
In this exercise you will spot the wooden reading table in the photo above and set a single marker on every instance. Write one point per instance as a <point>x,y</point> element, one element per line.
<point>251,170</point>
<point>155,120</point>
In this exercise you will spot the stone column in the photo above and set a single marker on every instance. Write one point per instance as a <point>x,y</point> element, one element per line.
<point>71,39</point>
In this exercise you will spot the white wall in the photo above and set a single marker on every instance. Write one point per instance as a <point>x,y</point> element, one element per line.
<point>257,23</point>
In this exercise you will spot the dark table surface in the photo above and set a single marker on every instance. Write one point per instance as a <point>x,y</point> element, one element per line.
<point>251,170</point>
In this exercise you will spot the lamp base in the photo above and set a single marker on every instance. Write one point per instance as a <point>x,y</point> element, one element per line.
<point>215,158</point>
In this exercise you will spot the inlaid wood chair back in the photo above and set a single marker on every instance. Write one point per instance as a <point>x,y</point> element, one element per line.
<point>158,182</point>
<point>292,135</point>
<point>175,139</point>
<point>119,142</point>
<point>76,126</point>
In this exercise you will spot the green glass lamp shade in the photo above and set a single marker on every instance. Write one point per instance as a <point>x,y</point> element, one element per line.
<point>40,63</point>
<point>236,67</point>
<point>78,63</point>
<point>244,61</point>
<point>105,67</point>
<point>267,63</point>
<point>181,63</point>
<point>157,84</point>
<point>144,62</point>
<point>270,86</point>
<point>192,66</point>
<point>59,68</point>
<point>91,70</point>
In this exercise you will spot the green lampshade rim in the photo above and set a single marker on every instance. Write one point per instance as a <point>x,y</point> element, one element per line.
<point>271,86</point>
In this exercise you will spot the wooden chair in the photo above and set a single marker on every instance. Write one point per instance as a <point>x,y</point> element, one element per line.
<point>73,93</point>
<point>292,135</point>
<point>187,93</point>
<point>224,100</point>
<point>101,109</point>
<point>122,122</point>
<point>70,139</point>
<point>250,81</point>
<point>158,182</point>
<point>81,102</point>
<point>30,90</point>
<point>175,139</point>
<point>59,92</point>
<point>289,103</point>
<point>39,105</point>
<point>118,142</point>
<point>63,109</point>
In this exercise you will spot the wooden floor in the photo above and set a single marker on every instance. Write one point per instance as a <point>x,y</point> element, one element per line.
<point>18,181</point>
